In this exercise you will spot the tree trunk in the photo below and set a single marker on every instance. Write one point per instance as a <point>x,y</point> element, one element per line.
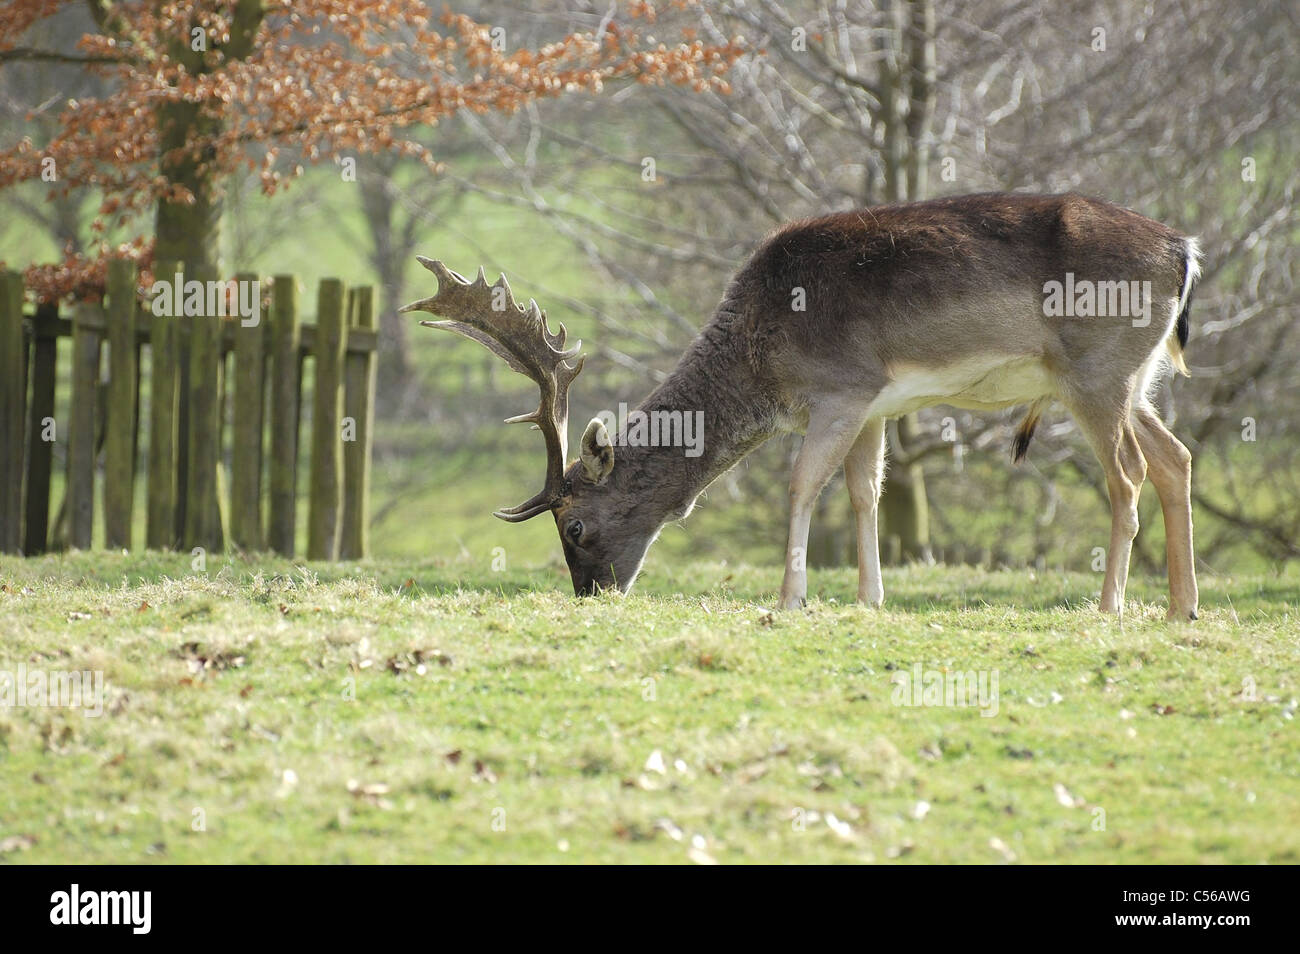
<point>904,507</point>
<point>185,232</point>
<point>907,83</point>
<point>389,262</point>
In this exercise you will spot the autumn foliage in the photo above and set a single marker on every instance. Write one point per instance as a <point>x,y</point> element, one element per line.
<point>272,84</point>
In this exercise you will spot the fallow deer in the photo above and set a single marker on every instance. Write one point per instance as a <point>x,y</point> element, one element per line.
<point>838,323</point>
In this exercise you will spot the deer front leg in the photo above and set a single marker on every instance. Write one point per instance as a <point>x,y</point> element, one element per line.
<point>830,435</point>
<point>864,471</point>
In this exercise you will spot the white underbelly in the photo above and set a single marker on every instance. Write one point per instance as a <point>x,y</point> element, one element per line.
<point>984,384</point>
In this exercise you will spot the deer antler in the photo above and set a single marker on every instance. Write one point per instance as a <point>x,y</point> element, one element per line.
<point>490,315</point>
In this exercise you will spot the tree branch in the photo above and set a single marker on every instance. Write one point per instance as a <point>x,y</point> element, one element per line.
<point>52,56</point>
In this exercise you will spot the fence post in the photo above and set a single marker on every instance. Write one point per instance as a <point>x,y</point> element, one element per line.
<point>41,428</point>
<point>359,408</point>
<point>202,501</point>
<point>246,439</point>
<point>13,404</point>
<point>119,437</point>
<point>327,408</point>
<point>87,325</point>
<point>285,396</point>
<point>164,386</point>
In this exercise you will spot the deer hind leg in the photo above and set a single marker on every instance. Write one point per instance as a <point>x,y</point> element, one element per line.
<point>1170,466</point>
<point>1111,434</point>
<point>864,470</point>
<point>832,429</point>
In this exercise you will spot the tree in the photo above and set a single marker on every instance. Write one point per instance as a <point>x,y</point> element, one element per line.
<point>199,90</point>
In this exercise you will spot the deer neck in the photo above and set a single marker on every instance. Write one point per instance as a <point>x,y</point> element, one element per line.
<point>711,412</point>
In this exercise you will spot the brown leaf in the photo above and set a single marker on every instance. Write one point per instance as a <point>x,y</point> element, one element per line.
<point>16,843</point>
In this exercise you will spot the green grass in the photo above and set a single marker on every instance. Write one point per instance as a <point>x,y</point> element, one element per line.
<point>440,712</point>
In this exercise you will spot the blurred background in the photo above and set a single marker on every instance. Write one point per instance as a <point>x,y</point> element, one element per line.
<point>625,212</point>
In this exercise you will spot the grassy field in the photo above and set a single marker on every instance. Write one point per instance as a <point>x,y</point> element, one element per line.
<point>260,711</point>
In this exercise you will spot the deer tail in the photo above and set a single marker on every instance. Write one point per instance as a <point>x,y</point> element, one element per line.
<point>1025,432</point>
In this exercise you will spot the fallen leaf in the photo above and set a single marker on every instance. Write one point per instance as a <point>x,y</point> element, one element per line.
<point>1000,846</point>
<point>841,828</point>
<point>16,843</point>
<point>1064,797</point>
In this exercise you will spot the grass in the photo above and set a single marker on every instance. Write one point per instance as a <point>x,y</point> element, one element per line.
<point>262,711</point>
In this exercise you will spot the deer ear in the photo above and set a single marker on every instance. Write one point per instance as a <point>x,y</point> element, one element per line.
<point>597,451</point>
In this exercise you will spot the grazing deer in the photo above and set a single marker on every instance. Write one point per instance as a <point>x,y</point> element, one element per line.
<point>838,323</point>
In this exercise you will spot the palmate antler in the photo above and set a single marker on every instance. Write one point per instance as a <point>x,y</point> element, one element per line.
<point>521,337</point>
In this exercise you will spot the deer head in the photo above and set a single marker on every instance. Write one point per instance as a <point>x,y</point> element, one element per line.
<point>603,544</point>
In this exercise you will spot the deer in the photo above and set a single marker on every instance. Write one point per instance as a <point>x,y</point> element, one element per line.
<point>839,323</point>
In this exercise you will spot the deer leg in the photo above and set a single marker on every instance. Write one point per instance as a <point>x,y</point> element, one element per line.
<point>1123,517</point>
<point>864,469</point>
<point>1170,466</point>
<point>831,432</point>
<point>1115,444</point>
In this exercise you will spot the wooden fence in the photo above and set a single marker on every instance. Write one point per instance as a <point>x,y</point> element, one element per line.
<point>188,384</point>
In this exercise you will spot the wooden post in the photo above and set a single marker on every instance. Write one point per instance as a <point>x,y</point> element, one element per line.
<point>327,409</point>
<point>119,441</point>
<point>161,532</point>
<point>41,428</point>
<point>13,406</point>
<point>202,502</point>
<point>246,439</point>
<point>359,414</point>
<point>87,325</point>
<point>285,396</point>
<point>183,329</point>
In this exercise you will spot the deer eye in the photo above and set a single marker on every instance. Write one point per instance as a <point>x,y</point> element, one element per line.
<point>574,530</point>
